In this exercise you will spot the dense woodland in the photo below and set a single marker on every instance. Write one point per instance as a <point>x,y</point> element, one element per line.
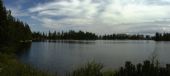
<point>12,29</point>
<point>71,35</point>
<point>80,35</point>
<point>162,37</point>
<point>126,37</point>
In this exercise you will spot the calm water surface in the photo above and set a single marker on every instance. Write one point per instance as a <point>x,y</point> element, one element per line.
<point>63,56</point>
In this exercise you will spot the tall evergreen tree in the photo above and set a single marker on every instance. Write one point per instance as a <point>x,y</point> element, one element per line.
<point>12,30</point>
<point>3,19</point>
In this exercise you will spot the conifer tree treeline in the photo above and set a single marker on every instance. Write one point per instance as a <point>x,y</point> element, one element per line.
<point>71,35</point>
<point>126,37</point>
<point>12,29</point>
<point>80,35</point>
<point>162,37</point>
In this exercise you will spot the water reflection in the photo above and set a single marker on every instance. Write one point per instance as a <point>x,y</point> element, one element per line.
<point>64,55</point>
<point>23,48</point>
<point>154,57</point>
<point>73,41</point>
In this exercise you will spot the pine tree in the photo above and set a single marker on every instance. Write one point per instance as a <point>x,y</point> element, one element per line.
<point>12,30</point>
<point>3,27</point>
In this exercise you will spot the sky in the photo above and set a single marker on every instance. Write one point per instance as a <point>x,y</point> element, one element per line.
<point>98,16</point>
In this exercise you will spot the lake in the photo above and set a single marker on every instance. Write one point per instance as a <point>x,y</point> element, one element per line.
<point>64,56</point>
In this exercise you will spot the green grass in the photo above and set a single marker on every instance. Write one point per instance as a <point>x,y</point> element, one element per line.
<point>10,66</point>
<point>147,68</point>
<point>91,69</point>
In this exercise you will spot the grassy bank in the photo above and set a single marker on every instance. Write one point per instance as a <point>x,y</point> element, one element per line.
<point>147,68</point>
<point>10,66</point>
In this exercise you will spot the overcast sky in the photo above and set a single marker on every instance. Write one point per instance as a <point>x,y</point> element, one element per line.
<point>98,16</point>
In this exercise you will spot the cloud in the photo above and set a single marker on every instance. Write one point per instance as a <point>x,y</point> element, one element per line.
<point>106,15</point>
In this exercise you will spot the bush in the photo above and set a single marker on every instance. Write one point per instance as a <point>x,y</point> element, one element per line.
<point>129,69</point>
<point>91,69</point>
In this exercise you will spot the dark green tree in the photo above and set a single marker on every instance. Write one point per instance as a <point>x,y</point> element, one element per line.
<point>12,30</point>
<point>3,19</point>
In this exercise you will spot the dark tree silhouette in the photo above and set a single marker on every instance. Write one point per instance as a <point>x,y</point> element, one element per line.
<point>71,35</point>
<point>162,37</point>
<point>12,30</point>
<point>125,37</point>
<point>80,35</point>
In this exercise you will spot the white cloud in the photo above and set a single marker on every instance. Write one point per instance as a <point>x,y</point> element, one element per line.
<point>106,15</point>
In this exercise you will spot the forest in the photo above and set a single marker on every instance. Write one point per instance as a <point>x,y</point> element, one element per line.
<point>12,32</point>
<point>81,35</point>
<point>12,29</point>
<point>162,37</point>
